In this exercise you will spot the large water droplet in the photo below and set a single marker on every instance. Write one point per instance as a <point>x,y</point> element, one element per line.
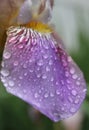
<point>3,79</point>
<point>11,83</point>
<point>7,55</point>
<point>47,68</point>
<point>25,74</point>
<point>15,63</point>
<point>74,92</point>
<point>57,83</point>
<point>20,46</point>
<point>46,95</point>
<point>5,84</point>
<point>66,73</point>
<point>21,77</point>
<point>77,83</point>
<point>84,90</point>
<point>57,92</point>
<point>46,46</point>
<point>50,62</point>
<point>72,70</point>
<point>56,116</point>
<point>51,94</point>
<point>25,66</point>
<point>2,64</point>
<point>68,81</point>
<point>52,79</point>
<point>40,63</point>
<point>74,76</point>
<point>45,56</point>
<point>36,95</point>
<point>44,76</point>
<point>70,99</point>
<point>69,59</point>
<point>38,75</point>
<point>76,101</point>
<point>5,72</point>
<point>31,70</point>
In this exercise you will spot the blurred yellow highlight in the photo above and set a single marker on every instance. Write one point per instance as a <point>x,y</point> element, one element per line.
<point>38,26</point>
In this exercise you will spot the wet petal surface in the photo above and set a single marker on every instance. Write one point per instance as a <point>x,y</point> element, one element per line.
<point>38,70</point>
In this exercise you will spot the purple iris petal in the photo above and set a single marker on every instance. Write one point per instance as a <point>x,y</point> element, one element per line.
<point>38,70</point>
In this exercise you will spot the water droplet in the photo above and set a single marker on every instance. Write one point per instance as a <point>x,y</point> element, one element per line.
<point>74,76</point>
<point>52,79</point>
<point>46,95</point>
<point>57,83</point>
<point>56,116</point>
<point>45,56</point>
<point>3,79</point>
<point>20,46</point>
<point>40,63</point>
<point>66,73</point>
<point>20,77</point>
<point>51,94</point>
<point>74,92</point>
<point>24,66</point>
<point>57,92</point>
<point>44,76</point>
<point>69,59</point>
<point>25,74</point>
<point>72,70</point>
<point>76,101</point>
<point>11,83</point>
<point>5,84</point>
<point>47,68</point>
<point>84,90</point>
<point>31,70</point>
<point>38,75</point>
<point>15,63</point>
<point>46,46</point>
<point>64,63</point>
<point>77,83</point>
<point>70,99</point>
<point>36,95</point>
<point>5,72</point>
<point>30,60</point>
<point>2,64</point>
<point>68,81</point>
<point>7,55</point>
<point>50,62</point>
<point>69,87</point>
<point>54,69</point>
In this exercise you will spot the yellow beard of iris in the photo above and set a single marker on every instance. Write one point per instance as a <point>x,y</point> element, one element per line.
<point>38,26</point>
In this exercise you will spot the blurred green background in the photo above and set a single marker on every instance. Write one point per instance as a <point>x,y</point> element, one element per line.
<point>73,25</point>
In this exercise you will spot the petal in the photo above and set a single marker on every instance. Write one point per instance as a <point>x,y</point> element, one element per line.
<point>25,13</point>
<point>37,69</point>
<point>40,10</point>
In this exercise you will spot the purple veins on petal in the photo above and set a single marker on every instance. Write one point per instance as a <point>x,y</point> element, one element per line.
<point>37,69</point>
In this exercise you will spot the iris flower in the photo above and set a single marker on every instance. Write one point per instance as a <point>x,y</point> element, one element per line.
<point>36,67</point>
